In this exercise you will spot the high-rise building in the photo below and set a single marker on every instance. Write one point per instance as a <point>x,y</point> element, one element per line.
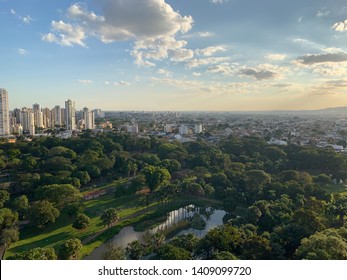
<point>62,114</point>
<point>47,117</point>
<point>16,114</point>
<point>134,128</point>
<point>27,120</point>
<point>4,113</point>
<point>198,128</point>
<point>38,116</point>
<point>183,129</point>
<point>70,115</point>
<point>88,118</point>
<point>98,113</point>
<point>56,116</point>
<point>32,123</point>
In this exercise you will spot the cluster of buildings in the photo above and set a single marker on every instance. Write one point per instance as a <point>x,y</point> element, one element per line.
<point>31,121</point>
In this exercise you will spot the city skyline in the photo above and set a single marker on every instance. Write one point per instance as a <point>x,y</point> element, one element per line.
<point>156,55</point>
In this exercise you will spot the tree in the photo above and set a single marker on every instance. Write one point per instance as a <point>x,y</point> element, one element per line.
<point>326,245</point>
<point>9,236</point>
<point>59,163</point>
<point>82,221</point>
<point>83,176</point>
<point>186,241</point>
<point>74,209</point>
<point>135,250</point>
<point>115,253</point>
<point>222,238</point>
<point>4,196</point>
<point>109,216</point>
<point>35,254</point>
<point>8,227</point>
<point>171,252</point>
<point>171,164</point>
<point>21,204</point>
<point>42,213</point>
<point>224,255</point>
<point>156,177</point>
<point>156,241</point>
<point>70,249</point>
<point>58,194</point>
<point>29,163</point>
<point>256,247</point>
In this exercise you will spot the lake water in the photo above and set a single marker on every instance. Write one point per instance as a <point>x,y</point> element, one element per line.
<point>127,234</point>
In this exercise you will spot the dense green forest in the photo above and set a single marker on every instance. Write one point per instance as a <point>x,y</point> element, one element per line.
<point>282,202</point>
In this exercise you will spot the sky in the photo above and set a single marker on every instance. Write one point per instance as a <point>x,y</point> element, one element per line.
<point>175,55</point>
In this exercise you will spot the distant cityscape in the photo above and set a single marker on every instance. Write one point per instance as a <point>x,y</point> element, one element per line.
<point>321,128</point>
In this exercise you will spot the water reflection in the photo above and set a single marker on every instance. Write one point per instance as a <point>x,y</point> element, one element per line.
<point>128,234</point>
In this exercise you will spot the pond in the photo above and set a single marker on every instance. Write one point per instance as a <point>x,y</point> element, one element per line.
<point>127,234</point>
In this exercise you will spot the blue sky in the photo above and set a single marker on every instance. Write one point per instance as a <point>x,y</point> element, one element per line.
<point>175,55</point>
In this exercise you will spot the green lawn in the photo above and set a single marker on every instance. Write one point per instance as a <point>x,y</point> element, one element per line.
<point>132,210</point>
<point>55,234</point>
<point>332,188</point>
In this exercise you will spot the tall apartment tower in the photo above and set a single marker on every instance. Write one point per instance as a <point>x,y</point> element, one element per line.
<point>27,120</point>
<point>88,118</point>
<point>38,116</point>
<point>4,113</point>
<point>70,115</point>
<point>56,116</point>
<point>47,117</point>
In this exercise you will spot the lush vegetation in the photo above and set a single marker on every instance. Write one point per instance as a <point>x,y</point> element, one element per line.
<point>63,198</point>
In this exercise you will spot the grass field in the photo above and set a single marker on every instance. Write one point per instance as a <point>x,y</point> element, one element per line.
<point>55,234</point>
<point>333,188</point>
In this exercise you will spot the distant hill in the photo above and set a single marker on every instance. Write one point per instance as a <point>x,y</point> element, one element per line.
<point>336,111</point>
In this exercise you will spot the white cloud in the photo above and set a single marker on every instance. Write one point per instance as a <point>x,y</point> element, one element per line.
<point>322,13</point>
<point>276,56</point>
<point>218,1</point>
<point>195,87</point>
<point>340,26</point>
<point>27,19</point>
<point>209,51</point>
<point>198,35</point>
<point>85,82</point>
<point>68,34</point>
<point>122,83</point>
<point>330,87</point>
<point>264,71</point>
<point>308,44</point>
<point>226,69</point>
<point>309,59</point>
<point>194,63</point>
<point>164,72</point>
<point>196,74</point>
<point>152,24</point>
<point>22,51</point>
<point>107,83</point>
<point>160,48</point>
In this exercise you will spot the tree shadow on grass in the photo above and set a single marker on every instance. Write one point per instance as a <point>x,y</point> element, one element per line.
<point>52,240</point>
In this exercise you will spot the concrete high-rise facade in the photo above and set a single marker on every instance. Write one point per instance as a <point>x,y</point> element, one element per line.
<point>198,128</point>
<point>4,113</point>
<point>27,120</point>
<point>38,116</point>
<point>47,117</point>
<point>56,116</point>
<point>88,118</point>
<point>70,115</point>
